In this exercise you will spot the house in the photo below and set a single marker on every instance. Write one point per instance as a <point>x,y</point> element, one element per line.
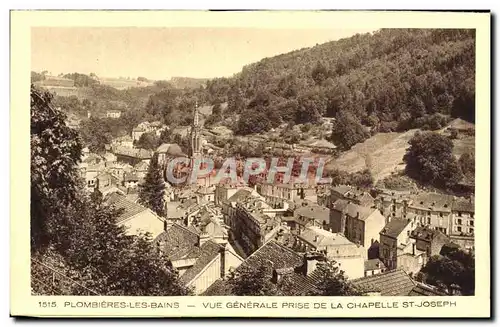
<point>393,204</point>
<point>168,151</point>
<point>394,283</point>
<point>109,158</point>
<point>352,194</point>
<point>228,197</point>
<point>394,241</point>
<point>113,114</point>
<point>119,169</point>
<point>131,180</point>
<point>205,194</point>
<point>141,170</point>
<point>432,209</point>
<point>176,214</point>
<point>277,194</point>
<point>137,133</point>
<point>199,260</point>
<point>308,214</point>
<point>349,256</point>
<point>361,225</point>
<point>280,262</point>
<point>462,222</point>
<point>374,267</point>
<point>250,226</point>
<point>124,141</point>
<point>136,218</point>
<point>131,156</point>
<point>429,241</point>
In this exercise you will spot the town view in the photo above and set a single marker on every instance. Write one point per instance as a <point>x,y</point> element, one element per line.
<point>343,166</point>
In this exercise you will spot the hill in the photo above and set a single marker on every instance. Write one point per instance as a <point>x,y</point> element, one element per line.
<point>187,82</point>
<point>391,80</point>
<point>383,153</point>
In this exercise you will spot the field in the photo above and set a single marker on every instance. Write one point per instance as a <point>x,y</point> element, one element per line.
<point>383,153</point>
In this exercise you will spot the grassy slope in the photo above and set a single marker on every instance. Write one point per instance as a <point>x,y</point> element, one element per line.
<point>383,153</point>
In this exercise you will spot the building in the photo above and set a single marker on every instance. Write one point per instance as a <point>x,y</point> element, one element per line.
<point>462,222</point>
<point>395,241</point>
<point>430,241</point>
<point>136,218</point>
<point>168,151</point>
<point>131,180</point>
<point>250,226</point>
<point>123,141</point>
<point>394,283</point>
<point>277,194</point>
<point>131,156</point>
<point>361,225</point>
<point>352,194</point>
<point>113,114</point>
<point>374,267</point>
<point>141,169</point>
<point>308,214</point>
<point>199,260</point>
<point>432,209</point>
<point>393,204</point>
<point>336,247</point>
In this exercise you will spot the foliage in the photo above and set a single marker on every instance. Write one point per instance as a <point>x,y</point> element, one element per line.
<point>396,182</point>
<point>347,131</point>
<point>152,190</point>
<point>467,164</point>
<point>252,281</point>
<point>331,281</point>
<point>55,151</point>
<point>430,160</point>
<point>36,77</point>
<point>363,178</point>
<point>82,230</point>
<point>148,141</point>
<point>256,122</point>
<point>81,79</point>
<point>452,267</point>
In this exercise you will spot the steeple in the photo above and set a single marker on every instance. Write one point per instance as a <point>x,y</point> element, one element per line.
<point>196,134</point>
<point>196,119</point>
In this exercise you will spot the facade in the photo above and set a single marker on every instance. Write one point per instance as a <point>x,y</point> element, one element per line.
<point>394,239</point>
<point>349,256</point>
<point>251,227</point>
<point>430,241</point>
<point>462,222</point>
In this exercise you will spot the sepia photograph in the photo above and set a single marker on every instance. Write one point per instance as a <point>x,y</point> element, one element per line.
<point>203,161</point>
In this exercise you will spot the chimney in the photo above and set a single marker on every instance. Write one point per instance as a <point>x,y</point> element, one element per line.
<point>316,238</point>
<point>413,249</point>
<point>202,238</point>
<point>311,260</point>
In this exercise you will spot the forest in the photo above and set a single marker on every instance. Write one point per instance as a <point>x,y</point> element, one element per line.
<point>389,80</point>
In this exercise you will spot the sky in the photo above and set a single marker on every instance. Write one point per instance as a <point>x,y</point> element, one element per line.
<point>162,53</point>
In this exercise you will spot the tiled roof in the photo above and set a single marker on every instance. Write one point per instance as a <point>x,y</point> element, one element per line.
<point>391,283</point>
<point>239,195</point>
<point>352,210</point>
<point>279,255</point>
<point>374,264</point>
<point>425,290</point>
<point>316,212</point>
<point>132,152</point>
<point>394,227</point>
<point>208,251</point>
<point>342,189</point>
<point>463,204</point>
<point>340,205</point>
<point>141,166</point>
<point>426,233</point>
<point>178,242</point>
<point>171,149</point>
<point>127,208</point>
<point>321,237</point>
<point>436,201</point>
<point>218,288</point>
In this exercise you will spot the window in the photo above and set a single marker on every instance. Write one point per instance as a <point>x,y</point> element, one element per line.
<point>459,221</point>
<point>459,229</point>
<point>429,220</point>
<point>440,214</point>
<point>459,214</point>
<point>471,222</point>
<point>471,230</point>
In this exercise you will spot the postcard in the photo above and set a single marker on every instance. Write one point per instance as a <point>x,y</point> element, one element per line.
<point>250,164</point>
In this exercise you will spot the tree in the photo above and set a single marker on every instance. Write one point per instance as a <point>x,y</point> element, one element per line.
<point>55,152</point>
<point>148,141</point>
<point>452,267</point>
<point>152,190</point>
<point>331,281</point>
<point>430,160</point>
<point>467,164</point>
<point>347,131</point>
<point>250,281</point>
<point>96,133</point>
<point>253,122</point>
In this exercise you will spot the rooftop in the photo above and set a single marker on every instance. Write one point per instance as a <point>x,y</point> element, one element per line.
<point>394,227</point>
<point>434,201</point>
<point>391,283</point>
<point>314,211</point>
<point>128,209</point>
<point>374,264</point>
